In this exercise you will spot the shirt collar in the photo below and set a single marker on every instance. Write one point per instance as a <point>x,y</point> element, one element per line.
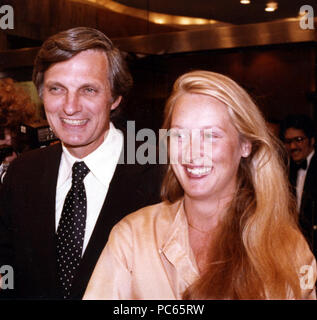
<point>309,157</point>
<point>101,162</point>
<point>176,246</point>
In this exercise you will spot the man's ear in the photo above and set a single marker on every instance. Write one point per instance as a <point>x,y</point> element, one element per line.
<point>246,148</point>
<point>116,103</point>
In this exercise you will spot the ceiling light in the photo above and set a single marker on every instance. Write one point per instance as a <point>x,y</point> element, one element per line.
<point>245,1</point>
<point>271,6</point>
<point>159,20</point>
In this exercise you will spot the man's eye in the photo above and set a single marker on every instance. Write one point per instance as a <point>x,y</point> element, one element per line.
<point>55,90</point>
<point>90,90</point>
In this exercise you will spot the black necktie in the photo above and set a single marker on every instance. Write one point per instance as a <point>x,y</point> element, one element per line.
<point>71,229</point>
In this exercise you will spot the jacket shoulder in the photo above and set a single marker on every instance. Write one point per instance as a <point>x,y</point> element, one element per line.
<point>31,164</point>
<point>37,156</point>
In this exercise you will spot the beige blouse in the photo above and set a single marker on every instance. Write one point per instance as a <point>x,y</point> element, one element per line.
<point>148,256</point>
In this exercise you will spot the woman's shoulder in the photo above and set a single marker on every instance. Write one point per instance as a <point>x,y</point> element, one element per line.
<point>151,214</point>
<point>149,220</point>
<point>140,229</point>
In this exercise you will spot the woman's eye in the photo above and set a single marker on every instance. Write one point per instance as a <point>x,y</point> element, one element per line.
<point>209,135</point>
<point>212,135</point>
<point>179,135</point>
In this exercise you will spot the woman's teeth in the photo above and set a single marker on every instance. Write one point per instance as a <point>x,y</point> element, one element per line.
<point>199,171</point>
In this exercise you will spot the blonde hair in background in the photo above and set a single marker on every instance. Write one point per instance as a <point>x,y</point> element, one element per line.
<point>258,253</point>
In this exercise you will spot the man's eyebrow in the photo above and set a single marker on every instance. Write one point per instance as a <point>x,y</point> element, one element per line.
<point>89,84</point>
<point>84,85</point>
<point>52,82</point>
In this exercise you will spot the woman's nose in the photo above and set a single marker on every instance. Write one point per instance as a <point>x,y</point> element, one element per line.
<point>200,149</point>
<point>193,147</point>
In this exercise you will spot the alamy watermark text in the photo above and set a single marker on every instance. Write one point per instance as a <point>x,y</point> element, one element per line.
<point>6,17</point>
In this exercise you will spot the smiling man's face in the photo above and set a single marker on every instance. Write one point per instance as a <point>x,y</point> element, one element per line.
<point>78,101</point>
<point>298,145</point>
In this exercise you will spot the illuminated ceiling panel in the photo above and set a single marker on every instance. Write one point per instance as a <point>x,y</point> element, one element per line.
<point>225,11</point>
<point>153,16</point>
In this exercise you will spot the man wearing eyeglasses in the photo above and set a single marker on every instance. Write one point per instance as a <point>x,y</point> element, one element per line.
<point>298,134</point>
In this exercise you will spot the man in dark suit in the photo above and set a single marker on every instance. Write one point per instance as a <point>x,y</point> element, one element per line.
<point>298,134</point>
<point>58,204</point>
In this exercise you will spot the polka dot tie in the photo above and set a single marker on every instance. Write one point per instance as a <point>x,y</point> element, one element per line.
<point>71,229</point>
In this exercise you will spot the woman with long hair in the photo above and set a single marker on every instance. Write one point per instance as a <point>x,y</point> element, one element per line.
<point>227,227</point>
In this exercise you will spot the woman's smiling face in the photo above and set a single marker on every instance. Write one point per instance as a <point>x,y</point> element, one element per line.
<point>207,171</point>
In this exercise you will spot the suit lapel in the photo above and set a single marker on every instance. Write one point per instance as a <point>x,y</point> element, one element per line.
<point>310,186</point>
<point>310,181</point>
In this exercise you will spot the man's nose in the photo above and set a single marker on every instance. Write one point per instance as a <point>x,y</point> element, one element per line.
<point>72,103</point>
<point>293,145</point>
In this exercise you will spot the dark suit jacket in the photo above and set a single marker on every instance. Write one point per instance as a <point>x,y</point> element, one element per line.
<point>308,209</point>
<point>27,220</point>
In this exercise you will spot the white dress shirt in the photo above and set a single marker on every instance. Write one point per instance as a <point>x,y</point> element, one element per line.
<point>102,164</point>
<point>301,176</point>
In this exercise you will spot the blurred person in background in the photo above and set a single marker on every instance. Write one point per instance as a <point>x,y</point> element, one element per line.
<point>16,108</point>
<point>298,132</point>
